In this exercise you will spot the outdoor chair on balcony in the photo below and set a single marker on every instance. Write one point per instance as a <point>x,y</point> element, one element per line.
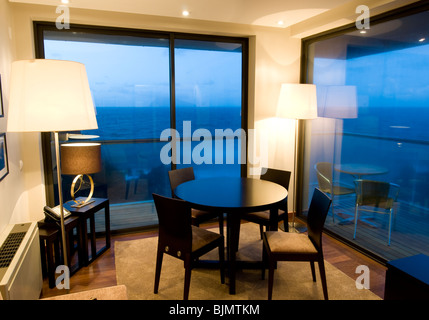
<point>378,197</point>
<point>326,184</point>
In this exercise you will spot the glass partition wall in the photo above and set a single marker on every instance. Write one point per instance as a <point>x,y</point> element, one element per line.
<point>160,99</point>
<point>373,108</point>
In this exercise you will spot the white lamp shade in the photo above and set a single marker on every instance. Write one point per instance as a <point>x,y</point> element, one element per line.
<point>50,96</point>
<point>338,102</point>
<point>297,101</point>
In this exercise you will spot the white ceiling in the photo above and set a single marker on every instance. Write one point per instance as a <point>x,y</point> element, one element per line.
<point>253,12</point>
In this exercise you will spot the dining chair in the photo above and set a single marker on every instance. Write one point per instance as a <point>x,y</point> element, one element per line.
<point>288,246</point>
<point>179,176</point>
<point>262,218</point>
<point>380,196</point>
<point>180,239</point>
<point>327,185</point>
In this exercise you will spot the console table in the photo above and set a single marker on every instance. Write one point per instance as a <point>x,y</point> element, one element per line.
<point>88,213</point>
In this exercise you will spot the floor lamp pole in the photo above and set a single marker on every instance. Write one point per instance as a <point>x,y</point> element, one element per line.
<point>60,196</point>
<point>300,228</point>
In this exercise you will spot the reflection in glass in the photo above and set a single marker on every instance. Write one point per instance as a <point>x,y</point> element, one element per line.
<point>379,135</point>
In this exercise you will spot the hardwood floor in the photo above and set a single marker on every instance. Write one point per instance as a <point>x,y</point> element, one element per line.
<point>101,272</point>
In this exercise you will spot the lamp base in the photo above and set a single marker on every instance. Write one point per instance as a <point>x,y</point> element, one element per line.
<point>82,204</point>
<point>297,227</point>
<point>294,226</point>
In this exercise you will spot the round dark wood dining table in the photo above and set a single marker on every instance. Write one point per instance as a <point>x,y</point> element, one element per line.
<point>233,196</point>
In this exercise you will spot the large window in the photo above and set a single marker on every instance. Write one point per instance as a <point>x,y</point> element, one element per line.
<point>207,77</point>
<point>373,105</point>
<point>150,88</point>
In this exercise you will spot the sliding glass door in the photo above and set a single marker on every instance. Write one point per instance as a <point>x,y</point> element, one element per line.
<point>148,88</point>
<point>373,94</point>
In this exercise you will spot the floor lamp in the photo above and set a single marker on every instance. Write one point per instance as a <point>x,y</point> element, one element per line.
<point>50,96</point>
<point>299,102</point>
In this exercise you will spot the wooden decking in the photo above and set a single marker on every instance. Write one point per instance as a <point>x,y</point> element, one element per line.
<point>128,216</point>
<point>410,231</point>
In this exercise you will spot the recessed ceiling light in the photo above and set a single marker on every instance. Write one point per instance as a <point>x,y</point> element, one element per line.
<point>363,31</point>
<point>185,13</point>
<point>422,39</point>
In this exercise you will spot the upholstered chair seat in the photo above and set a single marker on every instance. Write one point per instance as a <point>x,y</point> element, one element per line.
<point>291,243</point>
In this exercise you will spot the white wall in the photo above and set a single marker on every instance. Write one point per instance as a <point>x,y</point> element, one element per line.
<point>14,191</point>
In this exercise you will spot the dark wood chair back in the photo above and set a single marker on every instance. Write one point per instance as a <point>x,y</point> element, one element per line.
<point>280,177</point>
<point>180,176</point>
<point>316,217</point>
<point>175,231</point>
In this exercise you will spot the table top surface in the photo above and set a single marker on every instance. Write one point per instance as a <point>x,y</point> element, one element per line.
<point>360,169</point>
<point>88,208</point>
<point>231,193</point>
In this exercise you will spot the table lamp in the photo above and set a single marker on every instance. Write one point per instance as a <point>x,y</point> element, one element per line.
<point>50,96</point>
<point>297,101</point>
<point>81,159</point>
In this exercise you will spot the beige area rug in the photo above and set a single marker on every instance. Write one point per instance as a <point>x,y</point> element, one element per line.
<point>135,268</point>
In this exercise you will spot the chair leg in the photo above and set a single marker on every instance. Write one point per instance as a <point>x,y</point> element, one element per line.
<point>313,271</point>
<point>390,226</point>
<point>270,280</point>
<point>323,277</point>
<point>221,224</point>
<point>261,230</point>
<point>264,261</point>
<point>127,189</point>
<point>188,270</point>
<point>356,219</point>
<point>221,262</point>
<point>159,256</point>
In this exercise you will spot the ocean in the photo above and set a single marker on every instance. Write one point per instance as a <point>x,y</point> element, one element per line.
<point>133,123</point>
<point>396,138</point>
<point>127,158</point>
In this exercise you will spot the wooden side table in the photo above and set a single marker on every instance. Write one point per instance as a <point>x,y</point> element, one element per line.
<point>50,238</point>
<point>88,213</point>
<point>50,241</point>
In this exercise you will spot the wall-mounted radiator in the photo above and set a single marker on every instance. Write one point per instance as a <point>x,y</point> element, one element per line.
<point>20,262</point>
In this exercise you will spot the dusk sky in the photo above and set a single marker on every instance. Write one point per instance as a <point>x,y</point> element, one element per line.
<point>125,75</point>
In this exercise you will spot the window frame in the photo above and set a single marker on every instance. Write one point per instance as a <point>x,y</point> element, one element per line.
<point>39,27</point>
